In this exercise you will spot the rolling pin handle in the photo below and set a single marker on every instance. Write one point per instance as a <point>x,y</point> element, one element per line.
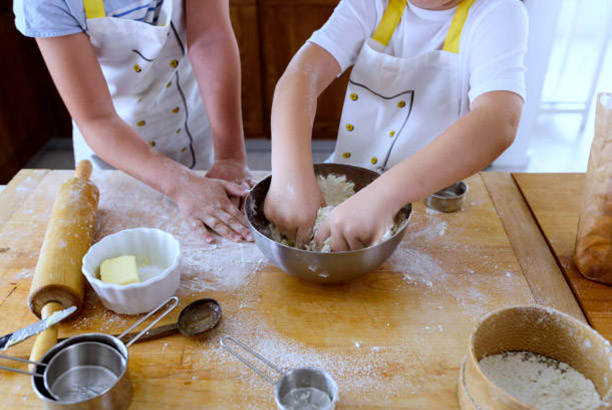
<point>83,169</point>
<point>48,338</point>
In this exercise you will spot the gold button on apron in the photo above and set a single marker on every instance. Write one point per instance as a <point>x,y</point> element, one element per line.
<point>137,68</point>
<point>183,149</point>
<point>374,160</point>
<point>346,155</point>
<point>401,104</point>
<point>350,127</point>
<point>139,99</point>
<point>169,84</point>
<point>178,131</point>
<point>152,143</point>
<point>140,123</point>
<point>354,96</point>
<point>175,110</point>
<point>173,63</point>
<point>392,133</point>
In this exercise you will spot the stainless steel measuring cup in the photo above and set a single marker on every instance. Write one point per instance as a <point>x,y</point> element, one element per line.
<point>89,371</point>
<point>449,199</point>
<point>304,388</point>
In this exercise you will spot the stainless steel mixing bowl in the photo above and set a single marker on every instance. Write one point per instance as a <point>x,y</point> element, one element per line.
<point>321,267</point>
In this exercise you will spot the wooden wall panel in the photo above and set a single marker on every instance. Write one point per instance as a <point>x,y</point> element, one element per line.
<point>245,22</point>
<point>31,110</point>
<point>285,26</point>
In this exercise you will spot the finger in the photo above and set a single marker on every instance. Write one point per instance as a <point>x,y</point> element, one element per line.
<point>338,242</point>
<point>303,237</point>
<point>354,243</point>
<point>222,229</point>
<point>234,189</point>
<point>235,200</point>
<point>199,228</point>
<point>236,224</point>
<point>291,235</point>
<point>250,182</point>
<point>322,234</point>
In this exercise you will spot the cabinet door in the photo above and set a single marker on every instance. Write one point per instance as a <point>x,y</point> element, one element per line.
<point>245,22</point>
<point>285,26</point>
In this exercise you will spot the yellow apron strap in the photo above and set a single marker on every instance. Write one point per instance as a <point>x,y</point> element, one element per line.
<point>94,9</point>
<point>389,21</point>
<point>454,32</point>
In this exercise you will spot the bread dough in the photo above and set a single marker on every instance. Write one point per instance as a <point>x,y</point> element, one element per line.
<point>336,189</point>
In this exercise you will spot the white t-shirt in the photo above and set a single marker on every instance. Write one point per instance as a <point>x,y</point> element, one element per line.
<point>492,45</point>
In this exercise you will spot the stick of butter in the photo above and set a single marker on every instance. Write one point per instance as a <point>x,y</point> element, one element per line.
<point>121,270</point>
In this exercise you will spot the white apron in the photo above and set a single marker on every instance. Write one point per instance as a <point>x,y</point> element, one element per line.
<point>394,106</point>
<point>151,83</point>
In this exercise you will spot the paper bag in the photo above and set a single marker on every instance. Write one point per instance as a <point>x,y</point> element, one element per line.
<point>593,253</point>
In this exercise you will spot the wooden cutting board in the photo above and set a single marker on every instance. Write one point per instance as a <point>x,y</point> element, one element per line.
<point>555,202</point>
<point>392,339</point>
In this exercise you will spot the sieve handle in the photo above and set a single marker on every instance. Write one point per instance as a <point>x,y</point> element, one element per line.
<point>173,302</point>
<point>226,338</point>
<point>18,359</point>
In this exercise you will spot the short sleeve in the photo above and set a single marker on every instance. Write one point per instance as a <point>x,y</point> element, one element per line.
<point>345,31</point>
<point>497,50</point>
<point>47,18</point>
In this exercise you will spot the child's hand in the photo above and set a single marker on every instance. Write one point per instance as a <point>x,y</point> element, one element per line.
<point>356,223</point>
<point>293,207</point>
<point>205,205</point>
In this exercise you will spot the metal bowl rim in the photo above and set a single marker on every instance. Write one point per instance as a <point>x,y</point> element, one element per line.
<point>319,253</point>
<point>406,209</point>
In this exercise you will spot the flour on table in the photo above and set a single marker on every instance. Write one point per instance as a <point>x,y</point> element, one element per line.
<point>336,189</point>
<point>541,381</point>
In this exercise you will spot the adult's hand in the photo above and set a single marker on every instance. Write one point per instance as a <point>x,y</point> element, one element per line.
<point>233,171</point>
<point>205,204</point>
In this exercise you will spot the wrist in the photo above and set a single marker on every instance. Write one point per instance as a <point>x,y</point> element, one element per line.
<point>176,180</point>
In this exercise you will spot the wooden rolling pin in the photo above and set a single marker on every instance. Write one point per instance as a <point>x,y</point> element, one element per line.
<point>58,282</point>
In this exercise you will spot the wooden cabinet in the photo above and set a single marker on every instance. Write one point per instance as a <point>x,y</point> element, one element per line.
<point>245,21</point>
<point>285,26</point>
<point>31,110</point>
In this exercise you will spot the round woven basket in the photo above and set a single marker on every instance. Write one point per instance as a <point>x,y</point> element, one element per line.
<point>535,329</point>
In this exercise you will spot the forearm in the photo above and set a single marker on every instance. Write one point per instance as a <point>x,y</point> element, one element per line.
<point>119,145</point>
<point>293,111</point>
<point>466,147</point>
<point>308,74</point>
<point>216,65</point>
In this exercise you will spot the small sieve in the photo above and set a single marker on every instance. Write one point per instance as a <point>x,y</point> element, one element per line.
<point>90,370</point>
<point>449,199</point>
<point>297,389</point>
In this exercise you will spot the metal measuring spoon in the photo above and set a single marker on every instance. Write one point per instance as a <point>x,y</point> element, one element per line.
<point>196,318</point>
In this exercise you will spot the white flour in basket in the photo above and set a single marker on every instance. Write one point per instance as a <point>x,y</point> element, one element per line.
<point>336,189</point>
<point>541,381</point>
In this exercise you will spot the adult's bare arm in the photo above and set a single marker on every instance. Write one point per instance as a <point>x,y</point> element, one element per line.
<point>213,52</point>
<point>75,70</point>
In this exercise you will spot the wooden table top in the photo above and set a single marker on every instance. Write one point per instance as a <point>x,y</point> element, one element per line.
<point>555,201</point>
<point>391,339</point>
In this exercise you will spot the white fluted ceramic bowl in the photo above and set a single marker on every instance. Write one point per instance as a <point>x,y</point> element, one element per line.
<point>157,255</point>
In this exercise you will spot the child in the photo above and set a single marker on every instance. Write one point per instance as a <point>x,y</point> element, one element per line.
<point>124,71</point>
<point>435,94</point>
